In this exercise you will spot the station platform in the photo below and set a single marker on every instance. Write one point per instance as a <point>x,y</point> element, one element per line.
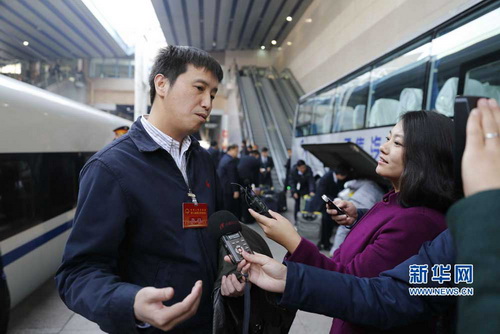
<point>43,312</point>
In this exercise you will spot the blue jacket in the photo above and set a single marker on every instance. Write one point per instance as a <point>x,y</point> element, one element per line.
<point>128,233</point>
<point>382,302</point>
<point>306,181</point>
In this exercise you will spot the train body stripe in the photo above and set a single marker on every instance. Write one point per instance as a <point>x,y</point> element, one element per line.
<point>22,250</point>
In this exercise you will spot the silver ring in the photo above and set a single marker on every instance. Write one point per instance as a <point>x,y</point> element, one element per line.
<point>490,135</point>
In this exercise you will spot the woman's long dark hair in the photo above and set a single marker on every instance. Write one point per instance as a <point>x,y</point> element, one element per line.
<point>427,178</point>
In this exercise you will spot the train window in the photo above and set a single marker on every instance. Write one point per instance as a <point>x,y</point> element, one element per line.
<point>17,195</point>
<point>322,113</point>
<point>304,117</point>
<point>397,85</point>
<point>36,187</point>
<point>484,81</point>
<point>460,43</point>
<point>351,102</point>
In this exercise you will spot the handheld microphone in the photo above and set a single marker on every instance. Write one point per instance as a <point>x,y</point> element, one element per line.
<point>225,226</point>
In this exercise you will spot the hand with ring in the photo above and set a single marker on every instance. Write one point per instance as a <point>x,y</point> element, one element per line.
<point>481,159</point>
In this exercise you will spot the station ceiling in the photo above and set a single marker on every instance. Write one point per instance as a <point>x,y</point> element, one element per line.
<point>217,25</point>
<point>54,29</point>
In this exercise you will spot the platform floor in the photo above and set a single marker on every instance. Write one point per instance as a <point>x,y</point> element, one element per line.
<point>43,312</point>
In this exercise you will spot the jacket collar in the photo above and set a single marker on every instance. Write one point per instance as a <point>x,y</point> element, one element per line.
<point>145,143</point>
<point>390,197</point>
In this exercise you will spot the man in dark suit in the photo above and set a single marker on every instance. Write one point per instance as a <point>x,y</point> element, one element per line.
<point>266,165</point>
<point>248,170</point>
<point>301,183</point>
<point>330,185</point>
<point>214,152</point>
<point>228,173</point>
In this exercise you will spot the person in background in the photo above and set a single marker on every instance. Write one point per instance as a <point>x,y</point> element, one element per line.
<point>363,194</point>
<point>330,185</point>
<point>287,169</point>
<point>136,235</point>
<point>266,165</point>
<point>4,299</point>
<point>228,173</point>
<point>301,183</point>
<point>120,131</point>
<point>418,160</point>
<point>248,171</point>
<point>214,152</point>
<point>384,302</point>
<point>244,148</point>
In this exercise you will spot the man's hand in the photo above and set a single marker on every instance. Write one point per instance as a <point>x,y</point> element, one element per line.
<point>348,207</point>
<point>263,271</point>
<point>236,195</point>
<point>231,287</point>
<point>296,195</point>
<point>149,308</point>
<point>279,229</point>
<point>481,159</point>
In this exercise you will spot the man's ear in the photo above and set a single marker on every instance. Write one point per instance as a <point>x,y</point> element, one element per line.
<point>161,85</point>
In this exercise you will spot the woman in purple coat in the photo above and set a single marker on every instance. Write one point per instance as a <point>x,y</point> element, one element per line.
<point>417,159</point>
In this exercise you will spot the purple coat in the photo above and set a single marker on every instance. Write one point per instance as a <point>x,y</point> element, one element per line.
<point>385,236</point>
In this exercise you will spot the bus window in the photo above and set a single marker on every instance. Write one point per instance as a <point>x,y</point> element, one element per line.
<point>352,98</point>
<point>460,43</point>
<point>397,86</point>
<point>484,81</point>
<point>304,116</point>
<point>323,113</point>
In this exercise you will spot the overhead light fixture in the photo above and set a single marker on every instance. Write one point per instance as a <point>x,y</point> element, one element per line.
<point>289,18</point>
<point>26,43</point>
<point>262,47</point>
<point>309,20</point>
<point>214,44</point>
<point>288,43</point>
<point>273,42</point>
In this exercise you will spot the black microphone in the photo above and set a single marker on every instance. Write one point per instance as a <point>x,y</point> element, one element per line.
<point>225,226</point>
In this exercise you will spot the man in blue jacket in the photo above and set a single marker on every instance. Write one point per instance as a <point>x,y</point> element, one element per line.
<point>143,205</point>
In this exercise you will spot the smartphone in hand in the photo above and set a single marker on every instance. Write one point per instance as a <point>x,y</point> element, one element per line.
<point>331,205</point>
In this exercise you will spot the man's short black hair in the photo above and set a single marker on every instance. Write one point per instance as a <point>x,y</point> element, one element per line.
<point>232,147</point>
<point>172,61</point>
<point>265,149</point>
<point>301,163</point>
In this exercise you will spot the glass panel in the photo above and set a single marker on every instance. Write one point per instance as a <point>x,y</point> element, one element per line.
<point>352,98</point>
<point>484,81</point>
<point>17,196</point>
<point>304,118</point>
<point>461,43</point>
<point>398,85</point>
<point>112,68</point>
<point>322,113</point>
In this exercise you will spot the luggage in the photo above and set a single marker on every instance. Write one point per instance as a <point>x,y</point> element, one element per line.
<point>309,225</point>
<point>306,203</point>
<point>271,200</point>
<point>282,207</point>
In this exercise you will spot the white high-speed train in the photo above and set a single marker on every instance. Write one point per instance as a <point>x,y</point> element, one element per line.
<point>45,139</point>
